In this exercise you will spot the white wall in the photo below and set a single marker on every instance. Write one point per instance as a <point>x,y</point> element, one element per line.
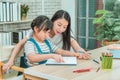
<point>69,5</point>
<point>37,7</point>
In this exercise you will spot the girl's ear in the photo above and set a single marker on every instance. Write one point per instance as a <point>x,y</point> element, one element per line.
<point>35,29</point>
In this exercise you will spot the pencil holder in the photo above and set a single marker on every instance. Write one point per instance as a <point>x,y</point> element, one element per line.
<point>107,62</point>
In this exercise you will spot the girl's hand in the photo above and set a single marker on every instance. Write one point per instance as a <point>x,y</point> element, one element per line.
<point>57,58</point>
<point>7,66</point>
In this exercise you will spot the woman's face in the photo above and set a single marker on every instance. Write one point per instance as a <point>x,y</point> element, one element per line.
<point>60,25</point>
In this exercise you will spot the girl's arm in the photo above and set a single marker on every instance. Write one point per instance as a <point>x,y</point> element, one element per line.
<point>34,58</point>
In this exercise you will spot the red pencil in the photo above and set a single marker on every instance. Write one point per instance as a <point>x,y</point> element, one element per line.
<point>82,70</point>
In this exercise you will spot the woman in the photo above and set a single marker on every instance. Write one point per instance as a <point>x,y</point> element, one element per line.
<point>38,49</point>
<point>59,35</point>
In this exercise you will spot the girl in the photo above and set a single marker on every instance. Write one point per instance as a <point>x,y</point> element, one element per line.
<point>59,35</point>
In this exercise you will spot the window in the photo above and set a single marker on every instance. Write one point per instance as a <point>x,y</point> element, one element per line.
<point>85,29</point>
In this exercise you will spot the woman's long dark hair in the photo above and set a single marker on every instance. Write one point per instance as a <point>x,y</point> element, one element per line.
<point>66,35</point>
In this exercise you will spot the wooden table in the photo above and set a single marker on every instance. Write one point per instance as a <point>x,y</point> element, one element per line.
<point>66,72</point>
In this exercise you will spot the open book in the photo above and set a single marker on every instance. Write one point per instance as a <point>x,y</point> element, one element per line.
<point>67,61</point>
<point>115,53</point>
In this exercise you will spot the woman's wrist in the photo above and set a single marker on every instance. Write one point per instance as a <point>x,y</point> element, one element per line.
<point>80,51</point>
<point>11,60</point>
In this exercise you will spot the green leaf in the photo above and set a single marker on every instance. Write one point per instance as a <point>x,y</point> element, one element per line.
<point>107,26</point>
<point>116,37</point>
<point>116,28</point>
<point>98,20</point>
<point>100,12</point>
<point>100,37</point>
<point>109,21</point>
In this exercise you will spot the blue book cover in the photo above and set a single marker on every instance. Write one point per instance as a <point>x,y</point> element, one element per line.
<point>116,53</point>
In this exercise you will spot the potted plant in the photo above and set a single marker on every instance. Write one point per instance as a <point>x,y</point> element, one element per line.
<point>24,11</point>
<point>107,26</point>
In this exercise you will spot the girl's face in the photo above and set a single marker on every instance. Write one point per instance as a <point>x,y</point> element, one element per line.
<point>60,25</point>
<point>42,35</point>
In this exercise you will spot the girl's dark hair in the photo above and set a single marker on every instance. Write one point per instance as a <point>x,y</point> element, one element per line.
<point>66,35</point>
<point>42,22</point>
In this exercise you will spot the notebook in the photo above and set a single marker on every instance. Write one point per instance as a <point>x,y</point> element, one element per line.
<point>67,61</point>
<point>116,54</point>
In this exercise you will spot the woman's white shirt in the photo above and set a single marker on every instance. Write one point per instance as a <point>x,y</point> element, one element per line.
<point>29,33</point>
<point>56,40</point>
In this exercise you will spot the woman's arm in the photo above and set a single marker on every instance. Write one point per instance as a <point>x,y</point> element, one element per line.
<point>113,47</point>
<point>17,49</point>
<point>15,52</point>
<point>78,49</point>
<point>68,53</point>
<point>76,46</point>
<point>65,52</point>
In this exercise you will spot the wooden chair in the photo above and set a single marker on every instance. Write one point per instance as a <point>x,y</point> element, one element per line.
<point>13,67</point>
<point>24,76</point>
<point>8,51</point>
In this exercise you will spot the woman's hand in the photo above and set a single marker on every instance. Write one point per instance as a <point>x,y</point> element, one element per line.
<point>84,55</point>
<point>7,66</point>
<point>113,47</point>
<point>57,58</point>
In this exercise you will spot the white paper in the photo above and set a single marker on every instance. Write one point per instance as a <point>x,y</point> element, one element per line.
<point>67,61</point>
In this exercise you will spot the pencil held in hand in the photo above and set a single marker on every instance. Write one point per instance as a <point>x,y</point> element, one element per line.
<point>76,54</point>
